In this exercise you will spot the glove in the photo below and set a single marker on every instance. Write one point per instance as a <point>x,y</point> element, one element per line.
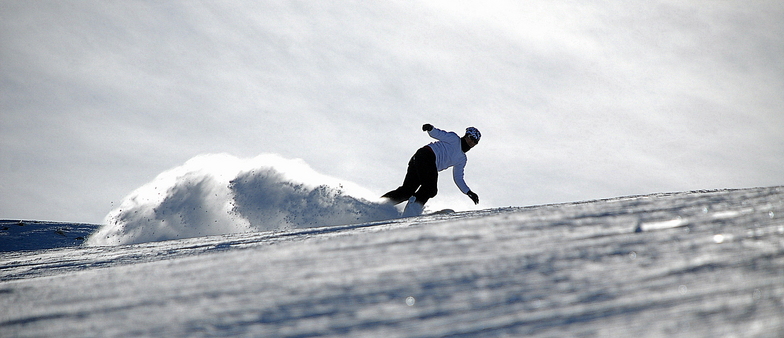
<point>427,127</point>
<point>474,197</point>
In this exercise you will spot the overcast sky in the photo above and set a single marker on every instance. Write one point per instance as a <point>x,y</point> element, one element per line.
<point>575,100</point>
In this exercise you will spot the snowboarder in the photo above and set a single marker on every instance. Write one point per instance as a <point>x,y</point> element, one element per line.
<point>421,179</point>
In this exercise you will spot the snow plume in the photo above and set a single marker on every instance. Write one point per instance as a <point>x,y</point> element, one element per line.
<point>220,194</point>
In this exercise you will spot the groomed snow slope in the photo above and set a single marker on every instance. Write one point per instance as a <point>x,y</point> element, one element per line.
<point>698,263</point>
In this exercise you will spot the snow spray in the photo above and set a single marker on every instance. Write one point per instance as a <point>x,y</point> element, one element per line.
<point>217,194</point>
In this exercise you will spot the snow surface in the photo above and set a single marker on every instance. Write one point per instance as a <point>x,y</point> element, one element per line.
<point>705,263</point>
<point>17,235</point>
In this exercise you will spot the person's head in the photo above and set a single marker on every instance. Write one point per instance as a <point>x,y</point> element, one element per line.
<point>472,137</point>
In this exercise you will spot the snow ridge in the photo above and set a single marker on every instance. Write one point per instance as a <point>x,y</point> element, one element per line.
<point>703,264</point>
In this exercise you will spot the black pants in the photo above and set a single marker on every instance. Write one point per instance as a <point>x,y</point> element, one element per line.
<point>421,178</point>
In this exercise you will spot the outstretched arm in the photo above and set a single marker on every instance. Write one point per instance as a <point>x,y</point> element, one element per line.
<point>438,134</point>
<point>458,173</point>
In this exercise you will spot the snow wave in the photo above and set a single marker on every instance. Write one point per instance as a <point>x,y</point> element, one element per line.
<point>216,194</point>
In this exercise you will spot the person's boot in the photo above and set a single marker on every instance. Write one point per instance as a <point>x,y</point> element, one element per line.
<point>393,197</point>
<point>413,208</point>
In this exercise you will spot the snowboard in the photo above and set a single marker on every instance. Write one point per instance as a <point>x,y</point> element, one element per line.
<point>414,209</point>
<point>442,212</point>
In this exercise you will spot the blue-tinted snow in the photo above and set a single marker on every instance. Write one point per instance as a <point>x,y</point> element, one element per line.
<point>17,235</point>
<point>699,264</point>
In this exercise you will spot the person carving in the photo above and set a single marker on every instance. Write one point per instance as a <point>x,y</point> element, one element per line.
<point>421,181</point>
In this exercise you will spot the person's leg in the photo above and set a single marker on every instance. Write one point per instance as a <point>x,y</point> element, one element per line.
<point>428,176</point>
<point>410,184</point>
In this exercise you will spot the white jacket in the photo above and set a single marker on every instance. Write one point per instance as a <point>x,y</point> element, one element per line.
<point>449,153</point>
